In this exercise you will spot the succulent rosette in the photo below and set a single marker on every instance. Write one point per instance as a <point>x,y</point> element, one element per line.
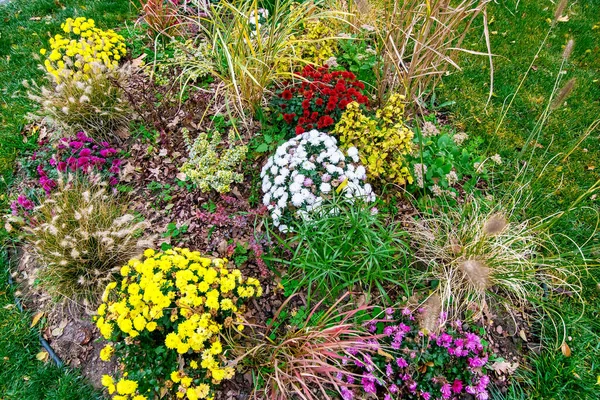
<point>307,170</point>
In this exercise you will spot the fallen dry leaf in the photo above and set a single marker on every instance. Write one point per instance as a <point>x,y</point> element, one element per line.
<point>505,367</point>
<point>522,335</point>
<point>36,318</point>
<point>565,349</point>
<point>42,356</point>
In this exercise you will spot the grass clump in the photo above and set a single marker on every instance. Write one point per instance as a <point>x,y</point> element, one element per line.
<point>81,237</point>
<point>482,253</point>
<point>347,244</point>
<point>96,105</point>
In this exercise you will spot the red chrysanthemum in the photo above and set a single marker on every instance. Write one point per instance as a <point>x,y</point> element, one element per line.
<point>286,94</point>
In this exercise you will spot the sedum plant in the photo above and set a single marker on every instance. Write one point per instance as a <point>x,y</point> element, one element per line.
<point>164,319</point>
<point>208,166</point>
<point>80,237</point>
<point>383,141</point>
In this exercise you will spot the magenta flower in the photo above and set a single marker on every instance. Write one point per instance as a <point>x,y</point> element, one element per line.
<point>76,145</point>
<point>426,395</point>
<point>25,202</point>
<point>445,390</point>
<point>401,362</point>
<point>457,386</point>
<point>368,383</point>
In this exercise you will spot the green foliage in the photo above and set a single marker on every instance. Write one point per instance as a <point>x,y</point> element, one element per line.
<point>188,62</point>
<point>347,245</point>
<point>210,166</point>
<point>442,163</point>
<point>359,57</point>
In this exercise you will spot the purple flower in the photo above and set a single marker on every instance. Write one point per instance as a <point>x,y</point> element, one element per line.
<point>113,181</point>
<point>372,326</point>
<point>471,389</point>
<point>25,202</point>
<point>346,393</point>
<point>401,362</point>
<point>107,152</point>
<point>308,182</point>
<point>85,153</point>
<point>476,362</point>
<point>52,162</point>
<point>387,397</point>
<point>389,330</point>
<point>393,388</point>
<point>444,340</point>
<point>388,370</point>
<point>426,395</point>
<point>412,386</point>
<point>368,383</point>
<point>445,390</point>
<point>76,145</point>
<point>325,178</point>
<point>62,166</point>
<point>482,396</point>
<point>473,342</point>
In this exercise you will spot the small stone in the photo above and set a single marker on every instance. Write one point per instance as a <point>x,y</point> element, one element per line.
<point>499,329</point>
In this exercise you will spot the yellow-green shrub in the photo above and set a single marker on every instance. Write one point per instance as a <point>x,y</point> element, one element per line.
<point>73,56</point>
<point>382,141</point>
<point>315,45</point>
<point>165,317</point>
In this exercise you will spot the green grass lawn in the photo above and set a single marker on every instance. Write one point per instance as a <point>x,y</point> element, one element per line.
<point>517,31</point>
<point>25,27</point>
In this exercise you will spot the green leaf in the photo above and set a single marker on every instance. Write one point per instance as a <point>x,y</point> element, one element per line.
<point>262,148</point>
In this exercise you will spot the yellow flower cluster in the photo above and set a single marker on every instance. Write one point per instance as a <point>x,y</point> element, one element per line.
<point>86,46</point>
<point>316,45</point>
<point>124,388</point>
<point>186,301</point>
<point>382,141</point>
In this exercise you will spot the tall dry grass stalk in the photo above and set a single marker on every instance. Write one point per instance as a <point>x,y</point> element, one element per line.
<point>418,39</point>
<point>81,237</point>
<point>247,54</point>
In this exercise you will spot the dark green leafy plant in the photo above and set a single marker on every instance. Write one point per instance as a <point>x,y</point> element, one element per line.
<point>349,244</point>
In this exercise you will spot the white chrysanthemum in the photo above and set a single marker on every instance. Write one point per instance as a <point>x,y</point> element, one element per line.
<point>279,192</point>
<point>266,185</point>
<point>267,199</point>
<point>295,187</point>
<point>297,199</point>
<point>299,179</point>
<point>279,180</point>
<point>307,165</point>
<point>312,161</point>
<point>361,172</point>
